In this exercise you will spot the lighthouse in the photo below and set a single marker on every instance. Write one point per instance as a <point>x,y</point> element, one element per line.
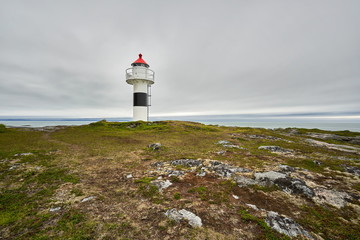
<point>141,77</point>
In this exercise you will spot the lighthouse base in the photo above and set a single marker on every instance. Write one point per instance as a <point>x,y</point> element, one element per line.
<point>140,113</point>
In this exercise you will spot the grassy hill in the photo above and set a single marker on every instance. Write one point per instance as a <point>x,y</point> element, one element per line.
<point>102,181</point>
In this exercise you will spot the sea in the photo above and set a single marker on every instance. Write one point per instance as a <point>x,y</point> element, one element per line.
<point>272,122</point>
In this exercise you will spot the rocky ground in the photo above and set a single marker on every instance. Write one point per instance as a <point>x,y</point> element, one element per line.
<point>178,180</point>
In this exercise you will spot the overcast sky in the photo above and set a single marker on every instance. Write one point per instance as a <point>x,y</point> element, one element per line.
<point>68,57</point>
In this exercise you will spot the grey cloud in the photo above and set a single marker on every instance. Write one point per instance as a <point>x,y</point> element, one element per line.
<point>69,57</point>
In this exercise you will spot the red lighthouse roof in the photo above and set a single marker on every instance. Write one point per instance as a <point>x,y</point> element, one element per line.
<point>140,62</point>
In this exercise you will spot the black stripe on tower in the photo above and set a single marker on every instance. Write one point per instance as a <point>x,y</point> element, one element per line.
<point>140,99</point>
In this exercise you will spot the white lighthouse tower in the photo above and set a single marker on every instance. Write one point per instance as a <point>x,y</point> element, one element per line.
<point>141,77</point>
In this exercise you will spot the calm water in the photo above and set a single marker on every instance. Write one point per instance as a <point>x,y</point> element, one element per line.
<point>334,125</point>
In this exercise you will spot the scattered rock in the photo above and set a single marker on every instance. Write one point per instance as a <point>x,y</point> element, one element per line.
<point>222,152</point>
<point>232,146</point>
<point>187,162</point>
<point>87,199</point>
<point>202,172</point>
<point>328,136</point>
<point>155,146</point>
<point>133,125</point>
<point>158,164</point>
<point>161,185</point>
<point>223,142</point>
<point>194,220</point>
<point>23,154</point>
<point>293,131</point>
<point>174,214</point>
<point>244,181</point>
<point>317,162</point>
<point>252,206</point>
<point>331,197</point>
<point>256,136</point>
<point>177,216</point>
<point>285,225</point>
<point>269,176</point>
<point>286,168</point>
<point>15,166</point>
<point>275,149</point>
<point>343,148</point>
<point>351,169</point>
<point>55,209</point>
<point>228,144</point>
<point>176,173</point>
<point>294,186</point>
<point>285,183</point>
<point>129,176</point>
<point>225,170</point>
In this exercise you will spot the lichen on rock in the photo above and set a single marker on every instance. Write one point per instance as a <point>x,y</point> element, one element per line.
<point>285,225</point>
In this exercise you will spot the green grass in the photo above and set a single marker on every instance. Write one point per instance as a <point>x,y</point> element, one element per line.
<point>95,158</point>
<point>74,225</point>
<point>345,133</point>
<point>327,221</point>
<point>177,196</point>
<point>271,188</point>
<point>266,231</point>
<point>2,128</point>
<point>213,196</point>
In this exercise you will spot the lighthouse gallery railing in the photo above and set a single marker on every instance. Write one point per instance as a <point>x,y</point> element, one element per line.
<point>140,74</point>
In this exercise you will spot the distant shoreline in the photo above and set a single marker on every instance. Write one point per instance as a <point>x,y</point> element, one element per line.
<point>253,123</point>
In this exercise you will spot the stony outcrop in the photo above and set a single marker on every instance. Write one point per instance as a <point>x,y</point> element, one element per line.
<point>343,148</point>
<point>23,154</point>
<point>155,146</point>
<point>187,162</point>
<point>161,185</point>
<point>228,144</point>
<point>245,181</point>
<point>331,197</point>
<point>276,149</point>
<point>202,166</point>
<point>183,214</point>
<point>294,186</point>
<point>225,170</point>
<point>269,177</point>
<point>351,169</point>
<point>285,225</point>
<point>285,168</point>
<point>327,136</point>
<point>285,183</point>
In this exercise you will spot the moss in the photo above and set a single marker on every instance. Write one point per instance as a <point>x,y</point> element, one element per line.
<point>13,206</point>
<point>174,179</point>
<point>148,190</point>
<point>212,196</point>
<point>2,128</point>
<point>356,187</point>
<point>177,196</point>
<point>77,192</point>
<point>345,133</point>
<point>327,221</point>
<point>56,175</point>
<point>145,180</point>
<point>266,231</point>
<point>74,225</point>
<point>228,185</point>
